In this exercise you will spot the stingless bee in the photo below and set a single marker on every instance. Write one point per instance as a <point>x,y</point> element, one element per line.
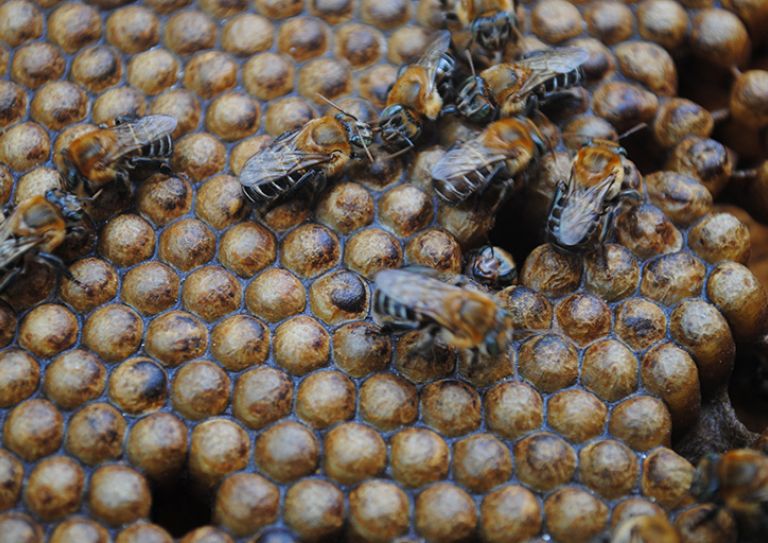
<point>415,95</point>
<point>737,481</point>
<point>492,23</point>
<point>492,267</point>
<point>502,151</point>
<point>588,201</point>
<point>34,229</point>
<point>109,154</point>
<point>519,87</point>
<point>304,158</point>
<point>455,312</point>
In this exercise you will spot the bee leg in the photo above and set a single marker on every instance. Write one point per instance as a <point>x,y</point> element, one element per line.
<point>161,165</point>
<point>124,186</point>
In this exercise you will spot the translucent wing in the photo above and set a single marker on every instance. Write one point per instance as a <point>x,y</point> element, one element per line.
<point>431,58</point>
<point>279,159</point>
<point>135,135</point>
<point>549,63</point>
<point>11,249</point>
<point>418,291</point>
<point>583,209</point>
<point>466,158</point>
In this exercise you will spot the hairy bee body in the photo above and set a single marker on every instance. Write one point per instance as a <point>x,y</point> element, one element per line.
<point>582,210</point>
<point>304,157</point>
<point>462,316</point>
<point>416,95</point>
<point>107,155</point>
<point>502,151</point>
<point>738,481</point>
<point>517,88</point>
<point>35,228</point>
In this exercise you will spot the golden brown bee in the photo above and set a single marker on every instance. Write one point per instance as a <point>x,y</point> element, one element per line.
<point>492,267</point>
<point>454,311</point>
<point>415,95</point>
<point>502,151</point>
<point>590,198</point>
<point>492,23</point>
<point>109,154</point>
<point>304,158</point>
<point>34,229</point>
<point>738,481</point>
<point>519,87</point>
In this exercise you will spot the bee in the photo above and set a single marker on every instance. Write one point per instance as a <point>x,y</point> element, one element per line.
<point>304,158</point>
<point>415,95</point>
<point>590,198</point>
<point>492,23</point>
<point>737,481</point>
<point>520,87</point>
<point>492,267</point>
<point>109,154</point>
<point>503,150</point>
<point>454,311</point>
<point>34,229</point>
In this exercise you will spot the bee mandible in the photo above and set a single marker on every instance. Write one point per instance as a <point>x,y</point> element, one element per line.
<point>492,267</point>
<point>109,154</point>
<point>588,201</point>
<point>492,23</point>
<point>415,96</point>
<point>456,312</point>
<point>520,87</point>
<point>737,481</point>
<point>34,229</point>
<point>502,151</point>
<point>304,158</point>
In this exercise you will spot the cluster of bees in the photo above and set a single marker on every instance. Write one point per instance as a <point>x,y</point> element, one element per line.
<point>458,311</point>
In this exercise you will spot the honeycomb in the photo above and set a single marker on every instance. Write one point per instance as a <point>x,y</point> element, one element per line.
<point>214,374</point>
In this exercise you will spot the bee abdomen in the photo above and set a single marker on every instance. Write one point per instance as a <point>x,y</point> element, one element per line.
<point>562,82</point>
<point>265,193</point>
<point>159,148</point>
<point>458,188</point>
<point>385,305</point>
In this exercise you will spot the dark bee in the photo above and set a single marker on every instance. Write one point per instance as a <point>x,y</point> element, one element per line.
<point>492,23</point>
<point>415,96</point>
<point>34,229</point>
<point>108,155</point>
<point>502,151</point>
<point>737,481</point>
<point>492,267</point>
<point>304,158</point>
<point>589,200</point>
<point>458,314</point>
<point>519,87</point>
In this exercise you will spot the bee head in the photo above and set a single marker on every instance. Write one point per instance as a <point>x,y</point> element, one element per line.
<point>494,267</point>
<point>399,127</point>
<point>492,32</point>
<point>706,483</point>
<point>360,134</point>
<point>68,204</point>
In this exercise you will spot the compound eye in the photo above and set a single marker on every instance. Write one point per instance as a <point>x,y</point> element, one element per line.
<point>39,216</point>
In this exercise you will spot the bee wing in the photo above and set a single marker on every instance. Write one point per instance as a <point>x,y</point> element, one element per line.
<point>430,60</point>
<point>548,63</point>
<point>585,205</point>
<point>135,135</point>
<point>12,249</point>
<point>279,159</point>
<point>465,158</point>
<point>419,291</point>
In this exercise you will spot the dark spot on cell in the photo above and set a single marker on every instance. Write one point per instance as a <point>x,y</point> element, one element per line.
<point>349,295</point>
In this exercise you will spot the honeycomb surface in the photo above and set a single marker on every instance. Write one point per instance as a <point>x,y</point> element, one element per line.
<point>216,375</point>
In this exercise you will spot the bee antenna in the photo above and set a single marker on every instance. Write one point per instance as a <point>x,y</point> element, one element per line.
<point>471,64</point>
<point>335,106</point>
<point>632,130</point>
<point>365,146</point>
<point>400,152</point>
